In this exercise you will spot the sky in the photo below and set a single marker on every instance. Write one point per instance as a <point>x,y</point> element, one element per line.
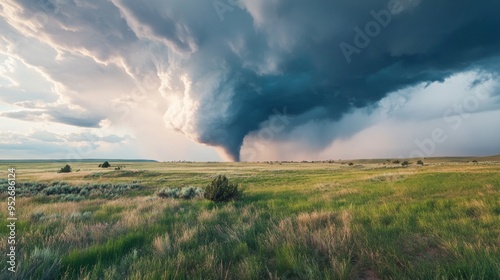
<point>249,80</point>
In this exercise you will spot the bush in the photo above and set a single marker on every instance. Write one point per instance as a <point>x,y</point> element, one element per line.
<point>184,193</point>
<point>187,193</point>
<point>420,162</point>
<point>105,164</point>
<point>221,190</point>
<point>351,164</point>
<point>405,163</point>
<point>396,162</point>
<point>65,169</point>
<point>168,193</point>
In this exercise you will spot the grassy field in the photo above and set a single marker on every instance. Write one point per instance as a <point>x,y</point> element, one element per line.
<point>372,220</point>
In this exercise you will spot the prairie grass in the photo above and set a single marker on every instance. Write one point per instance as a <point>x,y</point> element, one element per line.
<point>294,221</point>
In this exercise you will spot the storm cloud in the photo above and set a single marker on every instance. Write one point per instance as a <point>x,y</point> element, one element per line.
<point>287,54</point>
<point>224,70</point>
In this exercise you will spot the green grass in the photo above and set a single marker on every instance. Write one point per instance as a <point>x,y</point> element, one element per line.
<point>103,255</point>
<point>294,221</point>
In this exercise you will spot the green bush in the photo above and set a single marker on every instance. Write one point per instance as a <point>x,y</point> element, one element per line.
<point>65,169</point>
<point>420,162</point>
<point>105,164</point>
<point>405,163</point>
<point>221,190</point>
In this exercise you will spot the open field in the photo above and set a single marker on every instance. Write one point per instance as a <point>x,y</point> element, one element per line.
<point>372,220</point>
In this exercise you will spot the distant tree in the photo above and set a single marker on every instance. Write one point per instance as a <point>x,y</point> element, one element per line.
<point>420,162</point>
<point>65,169</point>
<point>105,164</point>
<point>405,163</point>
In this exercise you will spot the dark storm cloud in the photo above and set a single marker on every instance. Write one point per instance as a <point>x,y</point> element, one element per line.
<point>312,60</point>
<point>287,54</point>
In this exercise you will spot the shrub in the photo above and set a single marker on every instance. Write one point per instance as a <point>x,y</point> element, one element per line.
<point>87,215</point>
<point>351,164</point>
<point>221,190</point>
<point>184,193</point>
<point>187,193</point>
<point>65,169</point>
<point>191,192</point>
<point>420,162</point>
<point>105,164</point>
<point>168,193</point>
<point>405,163</point>
<point>66,192</point>
<point>396,162</point>
<point>199,193</point>
<point>71,197</point>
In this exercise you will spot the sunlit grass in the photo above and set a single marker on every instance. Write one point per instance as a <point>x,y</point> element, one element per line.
<point>302,221</point>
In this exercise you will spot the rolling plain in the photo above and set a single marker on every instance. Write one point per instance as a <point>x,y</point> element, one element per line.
<point>374,219</point>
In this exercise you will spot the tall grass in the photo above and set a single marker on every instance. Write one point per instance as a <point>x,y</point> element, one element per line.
<point>295,221</point>
<point>78,260</point>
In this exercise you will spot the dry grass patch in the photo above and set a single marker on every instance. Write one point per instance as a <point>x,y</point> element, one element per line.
<point>59,208</point>
<point>147,210</point>
<point>163,245</point>
<point>83,235</point>
<point>326,235</point>
<point>186,234</point>
<point>207,215</point>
